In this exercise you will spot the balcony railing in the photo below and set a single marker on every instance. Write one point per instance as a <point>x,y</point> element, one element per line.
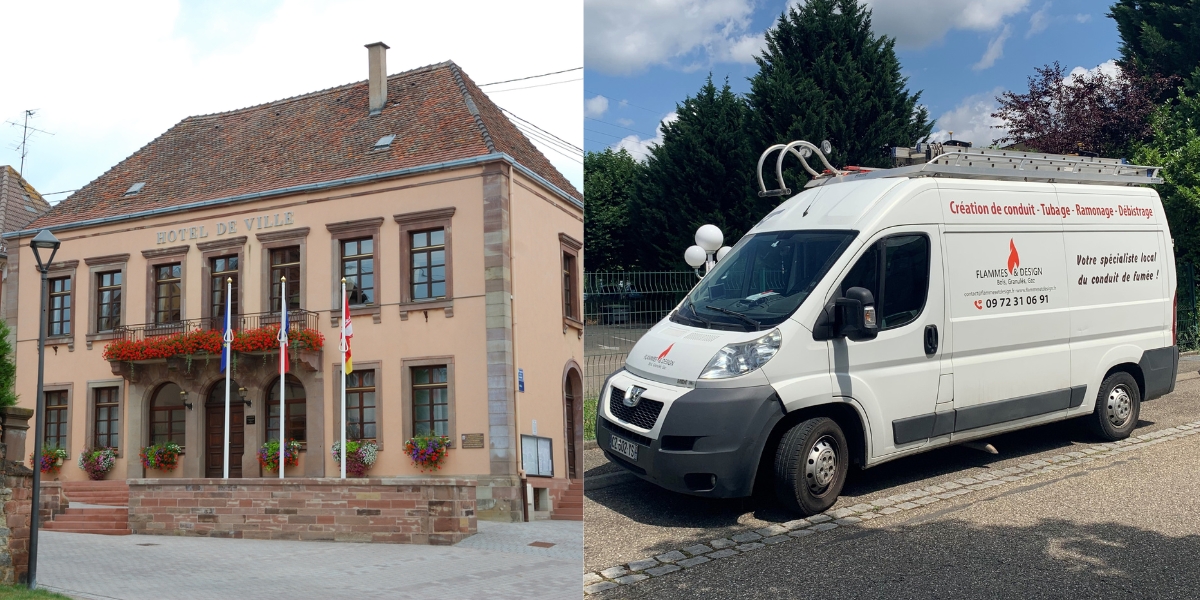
<point>297,320</point>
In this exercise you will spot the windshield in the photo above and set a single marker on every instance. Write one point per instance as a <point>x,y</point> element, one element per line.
<point>764,279</point>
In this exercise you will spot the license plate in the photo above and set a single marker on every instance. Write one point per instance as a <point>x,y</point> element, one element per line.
<point>623,447</point>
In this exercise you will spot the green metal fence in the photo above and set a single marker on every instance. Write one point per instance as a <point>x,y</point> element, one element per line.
<point>618,307</point>
<point>1187,326</point>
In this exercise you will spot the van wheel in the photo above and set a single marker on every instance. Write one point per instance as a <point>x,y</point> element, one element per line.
<point>810,466</point>
<point>1117,407</point>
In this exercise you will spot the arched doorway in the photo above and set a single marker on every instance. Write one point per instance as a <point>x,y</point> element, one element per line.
<point>214,430</point>
<point>168,416</point>
<point>573,413</point>
<point>295,407</point>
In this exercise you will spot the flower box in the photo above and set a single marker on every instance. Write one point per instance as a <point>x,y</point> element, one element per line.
<point>360,456</point>
<point>209,343</point>
<point>427,452</point>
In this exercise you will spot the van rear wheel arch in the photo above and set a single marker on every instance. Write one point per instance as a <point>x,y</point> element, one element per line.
<point>1134,371</point>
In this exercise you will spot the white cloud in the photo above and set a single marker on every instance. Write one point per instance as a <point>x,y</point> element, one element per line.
<point>919,23</point>
<point>1039,21</point>
<point>1083,18</point>
<point>995,50</point>
<point>134,68</point>
<point>640,148</point>
<point>972,120</point>
<point>623,37</point>
<point>623,122</point>
<point>595,107</point>
<point>1108,67</point>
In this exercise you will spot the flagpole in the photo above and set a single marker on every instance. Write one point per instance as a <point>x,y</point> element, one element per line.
<point>344,343</point>
<point>282,366</point>
<point>228,356</point>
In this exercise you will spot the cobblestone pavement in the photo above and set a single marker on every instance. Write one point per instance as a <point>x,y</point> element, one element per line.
<point>495,563</point>
<point>633,522</point>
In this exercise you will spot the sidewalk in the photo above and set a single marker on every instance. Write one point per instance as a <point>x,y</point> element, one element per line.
<point>495,563</point>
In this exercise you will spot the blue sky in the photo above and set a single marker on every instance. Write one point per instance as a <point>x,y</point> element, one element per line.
<point>108,77</point>
<point>642,57</point>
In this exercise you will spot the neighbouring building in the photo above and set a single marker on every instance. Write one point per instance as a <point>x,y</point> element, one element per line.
<point>461,245</point>
<point>19,204</point>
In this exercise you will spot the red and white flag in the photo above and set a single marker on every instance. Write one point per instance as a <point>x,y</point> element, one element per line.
<point>347,333</point>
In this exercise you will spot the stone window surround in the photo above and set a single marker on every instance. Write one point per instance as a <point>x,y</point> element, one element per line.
<point>359,365</point>
<point>216,249</point>
<point>90,434</point>
<point>346,230</point>
<point>96,266</point>
<point>65,268</point>
<point>70,389</point>
<point>273,241</point>
<point>157,258</point>
<point>569,245</point>
<point>406,401</point>
<point>416,221</point>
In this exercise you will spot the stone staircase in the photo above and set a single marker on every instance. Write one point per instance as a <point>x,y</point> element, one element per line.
<point>94,507</point>
<point>570,505</point>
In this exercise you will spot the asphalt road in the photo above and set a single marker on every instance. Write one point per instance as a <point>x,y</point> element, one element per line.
<point>1125,528</point>
<point>636,520</point>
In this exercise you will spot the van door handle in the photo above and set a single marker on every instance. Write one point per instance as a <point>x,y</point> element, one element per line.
<point>931,340</point>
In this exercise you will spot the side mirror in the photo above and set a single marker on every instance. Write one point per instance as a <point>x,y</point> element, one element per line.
<point>855,315</point>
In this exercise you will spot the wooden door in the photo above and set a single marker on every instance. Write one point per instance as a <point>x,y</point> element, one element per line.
<point>215,437</point>
<point>570,410</point>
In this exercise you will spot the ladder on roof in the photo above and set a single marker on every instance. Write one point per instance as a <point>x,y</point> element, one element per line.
<point>967,163</point>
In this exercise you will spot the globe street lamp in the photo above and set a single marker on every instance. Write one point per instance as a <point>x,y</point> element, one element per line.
<point>43,242</point>
<point>708,249</point>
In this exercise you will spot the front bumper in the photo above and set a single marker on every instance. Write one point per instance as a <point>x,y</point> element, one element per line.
<point>709,441</point>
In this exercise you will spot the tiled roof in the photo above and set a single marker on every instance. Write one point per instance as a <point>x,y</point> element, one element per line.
<point>436,113</point>
<point>19,202</point>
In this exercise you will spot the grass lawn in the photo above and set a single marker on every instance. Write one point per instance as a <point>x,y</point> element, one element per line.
<point>589,419</point>
<point>20,592</point>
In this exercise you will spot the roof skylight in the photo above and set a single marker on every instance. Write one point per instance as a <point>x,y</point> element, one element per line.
<point>384,142</point>
<point>135,188</point>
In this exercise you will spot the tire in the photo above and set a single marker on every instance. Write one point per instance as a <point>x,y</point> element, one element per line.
<point>810,466</point>
<point>1117,407</point>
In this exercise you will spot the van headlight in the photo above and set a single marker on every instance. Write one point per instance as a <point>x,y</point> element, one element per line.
<point>739,359</point>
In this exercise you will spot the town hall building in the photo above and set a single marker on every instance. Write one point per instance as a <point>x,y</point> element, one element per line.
<point>461,246</point>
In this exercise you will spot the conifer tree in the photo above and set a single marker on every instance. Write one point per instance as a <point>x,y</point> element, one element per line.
<point>703,172</point>
<point>609,183</point>
<point>825,76</point>
<point>8,368</point>
<point>1158,37</point>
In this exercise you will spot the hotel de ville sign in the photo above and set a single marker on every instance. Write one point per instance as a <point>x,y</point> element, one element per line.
<point>221,228</point>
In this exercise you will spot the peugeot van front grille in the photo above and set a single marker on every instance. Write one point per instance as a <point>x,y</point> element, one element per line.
<point>644,415</point>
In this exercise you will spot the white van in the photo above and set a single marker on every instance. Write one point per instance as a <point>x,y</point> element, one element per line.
<point>881,314</point>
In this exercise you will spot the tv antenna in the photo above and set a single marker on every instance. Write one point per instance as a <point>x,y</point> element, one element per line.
<point>26,131</point>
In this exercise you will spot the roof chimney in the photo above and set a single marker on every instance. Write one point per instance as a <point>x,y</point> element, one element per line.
<point>377,57</point>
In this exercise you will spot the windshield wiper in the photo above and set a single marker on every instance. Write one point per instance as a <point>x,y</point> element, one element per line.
<point>757,326</point>
<point>706,322</point>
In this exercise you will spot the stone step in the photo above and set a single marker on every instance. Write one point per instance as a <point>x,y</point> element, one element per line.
<point>115,513</point>
<point>74,525</point>
<point>96,531</point>
<point>567,516</point>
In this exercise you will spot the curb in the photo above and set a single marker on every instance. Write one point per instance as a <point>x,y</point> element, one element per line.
<point>752,539</point>
<point>590,445</point>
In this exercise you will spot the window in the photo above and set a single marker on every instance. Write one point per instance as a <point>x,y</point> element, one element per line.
<point>168,293</point>
<point>56,419</point>
<point>60,307</point>
<point>570,304</point>
<point>428,264</point>
<point>901,291</point>
<point>108,300</point>
<point>358,267</point>
<point>431,401</point>
<point>293,404</point>
<point>285,262</point>
<point>107,426</point>
<point>168,416</point>
<point>222,268</point>
<point>360,405</point>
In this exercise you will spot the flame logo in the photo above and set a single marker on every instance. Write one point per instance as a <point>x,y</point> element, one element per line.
<point>664,352</point>
<point>1014,260</point>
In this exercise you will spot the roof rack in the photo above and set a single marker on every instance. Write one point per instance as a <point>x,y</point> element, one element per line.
<point>970,163</point>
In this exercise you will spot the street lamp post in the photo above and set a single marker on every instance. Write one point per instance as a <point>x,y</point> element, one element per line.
<point>42,242</point>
